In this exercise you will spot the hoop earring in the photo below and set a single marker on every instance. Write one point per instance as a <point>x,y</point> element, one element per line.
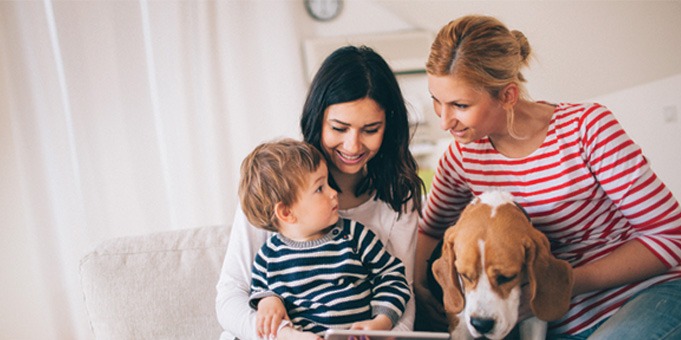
<point>510,124</point>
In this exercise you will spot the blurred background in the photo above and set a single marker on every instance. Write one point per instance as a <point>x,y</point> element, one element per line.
<point>130,117</point>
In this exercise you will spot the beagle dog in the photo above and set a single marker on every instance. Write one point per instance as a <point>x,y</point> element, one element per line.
<point>487,256</point>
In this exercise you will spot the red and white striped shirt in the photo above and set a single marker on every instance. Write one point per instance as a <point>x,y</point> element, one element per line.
<point>588,188</point>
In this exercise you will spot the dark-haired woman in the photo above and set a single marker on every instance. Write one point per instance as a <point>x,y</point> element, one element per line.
<point>355,114</point>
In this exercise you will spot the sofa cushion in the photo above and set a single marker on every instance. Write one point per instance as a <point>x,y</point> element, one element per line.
<point>156,286</point>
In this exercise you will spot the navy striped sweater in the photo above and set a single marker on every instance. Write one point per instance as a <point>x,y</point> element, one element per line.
<point>345,277</point>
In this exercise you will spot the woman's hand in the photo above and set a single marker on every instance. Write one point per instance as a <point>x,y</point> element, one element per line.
<point>430,314</point>
<point>271,312</point>
<point>380,323</point>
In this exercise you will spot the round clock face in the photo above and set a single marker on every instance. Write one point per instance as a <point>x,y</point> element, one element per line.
<point>323,10</point>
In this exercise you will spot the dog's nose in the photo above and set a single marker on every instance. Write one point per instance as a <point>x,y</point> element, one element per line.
<point>482,325</point>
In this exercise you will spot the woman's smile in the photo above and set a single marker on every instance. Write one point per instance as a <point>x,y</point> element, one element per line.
<point>350,159</point>
<point>458,133</point>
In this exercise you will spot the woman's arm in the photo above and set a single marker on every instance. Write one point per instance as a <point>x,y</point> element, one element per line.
<point>233,288</point>
<point>448,196</point>
<point>630,262</point>
<point>624,174</point>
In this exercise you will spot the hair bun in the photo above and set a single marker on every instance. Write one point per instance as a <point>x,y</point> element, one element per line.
<point>523,43</point>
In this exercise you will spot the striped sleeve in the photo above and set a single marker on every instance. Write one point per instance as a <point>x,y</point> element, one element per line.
<point>390,290</point>
<point>259,286</point>
<point>448,196</point>
<point>625,175</point>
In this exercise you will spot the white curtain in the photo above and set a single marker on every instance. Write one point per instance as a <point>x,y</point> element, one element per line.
<point>127,117</point>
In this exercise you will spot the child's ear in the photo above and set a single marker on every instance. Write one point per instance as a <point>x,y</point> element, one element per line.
<point>284,213</point>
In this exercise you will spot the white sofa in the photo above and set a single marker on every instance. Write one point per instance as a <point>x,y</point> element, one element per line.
<point>157,286</point>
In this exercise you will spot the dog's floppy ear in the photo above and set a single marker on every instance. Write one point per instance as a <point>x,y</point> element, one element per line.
<point>446,275</point>
<point>550,279</point>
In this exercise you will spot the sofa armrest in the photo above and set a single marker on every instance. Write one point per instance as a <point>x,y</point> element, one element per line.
<point>156,286</point>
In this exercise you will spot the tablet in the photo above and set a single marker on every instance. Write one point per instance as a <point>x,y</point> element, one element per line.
<point>345,334</point>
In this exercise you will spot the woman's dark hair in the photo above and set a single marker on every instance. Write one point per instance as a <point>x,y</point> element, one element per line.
<point>351,73</point>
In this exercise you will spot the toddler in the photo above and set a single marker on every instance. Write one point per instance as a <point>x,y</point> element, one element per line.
<point>321,270</point>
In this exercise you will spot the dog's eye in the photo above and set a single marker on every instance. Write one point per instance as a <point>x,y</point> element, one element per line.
<point>501,279</point>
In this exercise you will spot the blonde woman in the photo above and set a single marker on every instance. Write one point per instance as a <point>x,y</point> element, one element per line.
<point>583,181</point>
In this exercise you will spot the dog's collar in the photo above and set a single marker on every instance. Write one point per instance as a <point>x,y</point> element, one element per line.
<point>523,210</point>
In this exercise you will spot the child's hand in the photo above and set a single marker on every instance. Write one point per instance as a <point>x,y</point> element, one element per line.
<point>380,323</point>
<point>289,333</point>
<point>271,312</point>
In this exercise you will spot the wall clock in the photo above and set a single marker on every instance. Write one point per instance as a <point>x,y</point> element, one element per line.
<point>323,10</point>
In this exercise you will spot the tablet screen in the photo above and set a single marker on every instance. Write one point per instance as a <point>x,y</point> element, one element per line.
<point>337,334</point>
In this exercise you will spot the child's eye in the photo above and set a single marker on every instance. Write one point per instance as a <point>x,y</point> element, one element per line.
<point>320,188</point>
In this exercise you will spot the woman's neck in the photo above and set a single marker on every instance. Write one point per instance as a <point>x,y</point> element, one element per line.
<point>348,184</point>
<point>530,125</point>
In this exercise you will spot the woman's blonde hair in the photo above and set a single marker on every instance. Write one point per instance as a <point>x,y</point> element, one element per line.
<point>481,51</point>
<point>275,172</point>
